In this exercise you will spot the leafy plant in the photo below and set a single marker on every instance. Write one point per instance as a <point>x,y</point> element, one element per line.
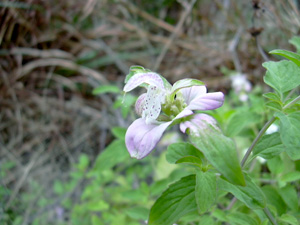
<point>213,155</point>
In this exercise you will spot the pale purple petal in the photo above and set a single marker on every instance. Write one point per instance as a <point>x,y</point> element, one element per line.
<point>187,125</point>
<point>185,83</point>
<point>197,123</point>
<point>141,78</point>
<point>139,104</point>
<point>207,101</point>
<point>203,120</point>
<point>192,92</point>
<point>186,112</point>
<point>141,138</point>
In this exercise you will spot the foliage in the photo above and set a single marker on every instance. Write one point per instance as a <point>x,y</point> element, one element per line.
<point>218,171</point>
<point>63,114</point>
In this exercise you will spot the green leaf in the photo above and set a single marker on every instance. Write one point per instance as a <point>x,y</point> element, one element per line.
<point>240,120</point>
<point>58,187</point>
<point>274,198</point>
<point>97,205</point>
<point>274,106</point>
<point>138,213</point>
<point>184,153</point>
<point>220,215</point>
<point>272,96</point>
<point>250,195</point>
<point>294,57</point>
<point>275,102</point>
<point>237,218</point>
<point>292,108</point>
<point>136,195</point>
<point>269,146</point>
<point>206,190</point>
<point>119,132</point>
<point>290,133</point>
<point>83,162</point>
<point>104,89</point>
<point>96,220</point>
<point>296,42</point>
<point>206,220</point>
<point>176,201</point>
<point>159,186</point>
<point>290,176</point>
<point>191,160</point>
<point>276,165</point>
<point>289,196</point>
<point>288,219</point>
<point>115,153</point>
<point>125,103</point>
<point>220,151</point>
<point>283,76</point>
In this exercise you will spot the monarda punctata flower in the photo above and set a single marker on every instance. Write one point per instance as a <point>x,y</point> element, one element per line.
<point>164,105</point>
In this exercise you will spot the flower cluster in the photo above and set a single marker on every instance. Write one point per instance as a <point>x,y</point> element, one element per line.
<point>164,105</point>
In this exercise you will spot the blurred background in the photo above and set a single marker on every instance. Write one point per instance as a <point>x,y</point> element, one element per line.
<point>54,127</point>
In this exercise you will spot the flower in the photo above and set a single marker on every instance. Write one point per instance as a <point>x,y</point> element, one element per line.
<point>164,105</point>
<point>272,129</point>
<point>241,86</point>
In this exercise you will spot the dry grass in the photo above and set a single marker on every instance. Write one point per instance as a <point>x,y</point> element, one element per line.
<point>54,52</point>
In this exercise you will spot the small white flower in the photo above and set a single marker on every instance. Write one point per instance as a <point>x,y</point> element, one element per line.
<point>261,159</point>
<point>241,86</point>
<point>239,82</point>
<point>272,129</point>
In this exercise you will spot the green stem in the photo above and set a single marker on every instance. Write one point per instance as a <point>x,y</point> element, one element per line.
<point>246,156</point>
<point>292,102</point>
<point>263,130</point>
<point>270,216</point>
<point>260,134</point>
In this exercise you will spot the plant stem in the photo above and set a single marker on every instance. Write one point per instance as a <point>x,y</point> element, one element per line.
<point>292,102</point>
<point>260,134</point>
<point>270,216</point>
<point>263,130</point>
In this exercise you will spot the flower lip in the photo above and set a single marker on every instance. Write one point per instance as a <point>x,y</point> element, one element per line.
<point>138,79</point>
<point>141,138</point>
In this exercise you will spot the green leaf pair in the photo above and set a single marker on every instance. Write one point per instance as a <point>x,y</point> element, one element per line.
<point>220,151</point>
<point>283,76</point>
<point>199,192</point>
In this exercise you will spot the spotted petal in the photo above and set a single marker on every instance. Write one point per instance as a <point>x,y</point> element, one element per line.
<point>141,138</point>
<point>139,104</point>
<point>152,103</point>
<point>144,78</point>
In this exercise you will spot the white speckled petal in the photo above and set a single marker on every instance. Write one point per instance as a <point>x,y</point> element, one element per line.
<point>152,104</point>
